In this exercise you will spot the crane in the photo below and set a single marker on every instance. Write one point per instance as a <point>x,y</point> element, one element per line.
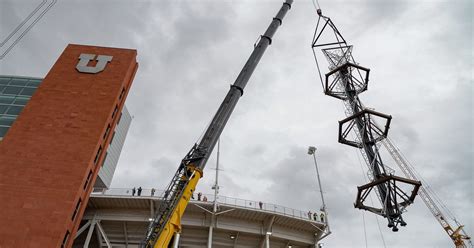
<point>434,204</point>
<point>349,79</point>
<point>166,226</point>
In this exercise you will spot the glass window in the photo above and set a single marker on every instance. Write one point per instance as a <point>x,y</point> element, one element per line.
<point>21,101</point>
<point>4,81</point>
<point>14,110</point>
<point>7,99</point>
<point>3,108</point>
<point>1,88</point>
<point>34,83</point>
<point>97,156</point>
<point>115,111</point>
<point>66,239</point>
<point>121,94</point>
<point>12,90</point>
<point>27,91</point>
<point>18,81</point>
<point>3,131</point>
<point>6,121</point>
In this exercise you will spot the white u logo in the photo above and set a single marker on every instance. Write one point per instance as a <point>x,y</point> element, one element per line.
<point>84,59</point>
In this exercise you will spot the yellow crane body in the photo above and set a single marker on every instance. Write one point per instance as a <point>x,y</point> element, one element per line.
<point>173,225</point>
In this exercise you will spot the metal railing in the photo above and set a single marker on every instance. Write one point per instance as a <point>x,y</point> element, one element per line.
<point>221,200</point>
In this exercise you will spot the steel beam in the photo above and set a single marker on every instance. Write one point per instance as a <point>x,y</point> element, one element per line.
<point>84,227</point>
<point>89,234</point>
<point>99,226</point>
<point>125,233</point>
<point>99,237</point>
<point>267,228</point>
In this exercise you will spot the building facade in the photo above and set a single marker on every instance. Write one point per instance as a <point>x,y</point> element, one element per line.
<point>51,153</point>
<point>16,92</point>
<point>107,170</point>
<point>116,218</point>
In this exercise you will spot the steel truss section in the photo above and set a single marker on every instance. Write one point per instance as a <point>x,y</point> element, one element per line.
<point>339,40</point>
<point>345,80</point>
<point>396,200</point>
<point>356,77</point>
<point>365,119</point>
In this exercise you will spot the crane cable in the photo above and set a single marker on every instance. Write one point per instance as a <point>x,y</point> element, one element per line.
<point>365,230</point>
<point>372,202</point>
<point>316,4</point>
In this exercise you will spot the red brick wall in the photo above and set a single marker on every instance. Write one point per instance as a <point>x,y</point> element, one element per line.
<point>47,154</point>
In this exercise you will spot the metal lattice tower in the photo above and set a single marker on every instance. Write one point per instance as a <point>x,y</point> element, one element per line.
<point>346,80</point>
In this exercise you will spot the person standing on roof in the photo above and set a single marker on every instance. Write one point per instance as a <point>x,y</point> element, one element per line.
<point>139,191</point>
<point>133,191</point>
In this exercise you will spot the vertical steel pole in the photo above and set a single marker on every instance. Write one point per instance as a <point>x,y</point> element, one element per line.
<point>267,240</point>
<point>319,182</point>
<point>216,192</point>
<point>176,240</point>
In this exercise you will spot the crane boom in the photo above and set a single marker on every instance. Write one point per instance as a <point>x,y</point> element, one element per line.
<point>167,221</point>
<point>457,233</point>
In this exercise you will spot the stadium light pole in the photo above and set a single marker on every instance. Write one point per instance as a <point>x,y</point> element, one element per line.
<point>312,151</point>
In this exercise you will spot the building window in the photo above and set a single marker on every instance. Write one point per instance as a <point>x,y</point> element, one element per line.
<point>3,131</point>
<point>18,82</point>
<point>115,111</point>
<point>88,179</point>
<point>4,81</point>
<point>12,90</point>
<point>34,83</point>
<point>97,156</point>
<point>6,121</point>
<point>7,99</point>
<point>3,108</point>
<point>65,239</point>
<point>14,110</point>
<point>122,94</point>
<point>27,91</point>
<point>76,210</point>
<point>107,131</point>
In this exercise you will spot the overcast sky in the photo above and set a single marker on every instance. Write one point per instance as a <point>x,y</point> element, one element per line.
<point>421,60</point>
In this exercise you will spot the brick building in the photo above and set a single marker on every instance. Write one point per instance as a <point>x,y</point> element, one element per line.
<point>51,153</point>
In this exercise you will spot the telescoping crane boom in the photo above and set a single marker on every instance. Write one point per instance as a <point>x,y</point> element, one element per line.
<point>167,222</point>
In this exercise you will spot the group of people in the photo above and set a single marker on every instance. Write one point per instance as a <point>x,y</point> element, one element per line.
<point>200,196</point>
<point>314,216</point>
<point>139,191</point>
